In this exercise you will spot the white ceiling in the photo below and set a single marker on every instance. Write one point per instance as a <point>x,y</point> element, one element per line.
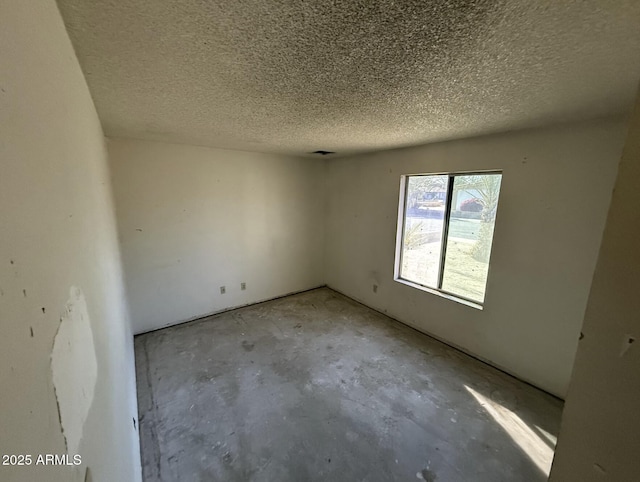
<point>351,75</point>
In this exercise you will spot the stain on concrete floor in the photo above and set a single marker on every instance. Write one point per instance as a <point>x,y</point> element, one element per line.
<point>317,387</point>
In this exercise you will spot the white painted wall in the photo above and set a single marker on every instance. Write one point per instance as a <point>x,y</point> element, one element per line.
<point>555,193</point>
<point>599,437</point>
<point>192,219</point>
<point>58,232</point>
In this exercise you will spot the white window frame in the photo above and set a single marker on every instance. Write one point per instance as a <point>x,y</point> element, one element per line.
<point>445,231</point>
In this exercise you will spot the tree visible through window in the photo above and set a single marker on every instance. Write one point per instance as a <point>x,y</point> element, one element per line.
<point>447,232</point>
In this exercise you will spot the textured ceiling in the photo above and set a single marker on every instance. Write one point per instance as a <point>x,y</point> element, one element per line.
<point>351,75</point>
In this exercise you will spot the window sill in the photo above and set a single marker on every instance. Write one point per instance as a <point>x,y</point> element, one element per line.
<point>436,292</point>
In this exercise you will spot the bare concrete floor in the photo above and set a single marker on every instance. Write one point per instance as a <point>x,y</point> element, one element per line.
<point>318,387</point>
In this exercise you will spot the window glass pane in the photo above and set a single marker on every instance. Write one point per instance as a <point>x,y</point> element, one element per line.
<point>473,210</point>
<point>425,203</point>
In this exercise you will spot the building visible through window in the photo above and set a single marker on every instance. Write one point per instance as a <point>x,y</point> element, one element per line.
<point>446,232</point>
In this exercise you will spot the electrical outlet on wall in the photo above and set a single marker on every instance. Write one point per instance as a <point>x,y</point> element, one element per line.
<point>243,286</point>
<point>223,290</point>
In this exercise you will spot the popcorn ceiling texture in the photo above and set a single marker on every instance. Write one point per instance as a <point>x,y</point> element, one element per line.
<point>351,75</point>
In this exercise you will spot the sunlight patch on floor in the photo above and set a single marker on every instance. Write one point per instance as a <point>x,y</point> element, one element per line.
<point>537,449</point>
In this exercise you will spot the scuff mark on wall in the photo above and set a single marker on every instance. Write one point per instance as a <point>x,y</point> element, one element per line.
<point>626,344</point>
<point>74,368</point>
<point>598,468</point>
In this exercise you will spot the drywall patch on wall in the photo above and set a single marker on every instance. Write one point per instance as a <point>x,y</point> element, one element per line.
<point>74,368</point>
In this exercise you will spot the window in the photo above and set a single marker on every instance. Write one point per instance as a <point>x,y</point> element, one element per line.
<point>445,232</point>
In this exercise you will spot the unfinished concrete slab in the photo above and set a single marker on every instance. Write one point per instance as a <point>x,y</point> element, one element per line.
<point>316,386</point>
